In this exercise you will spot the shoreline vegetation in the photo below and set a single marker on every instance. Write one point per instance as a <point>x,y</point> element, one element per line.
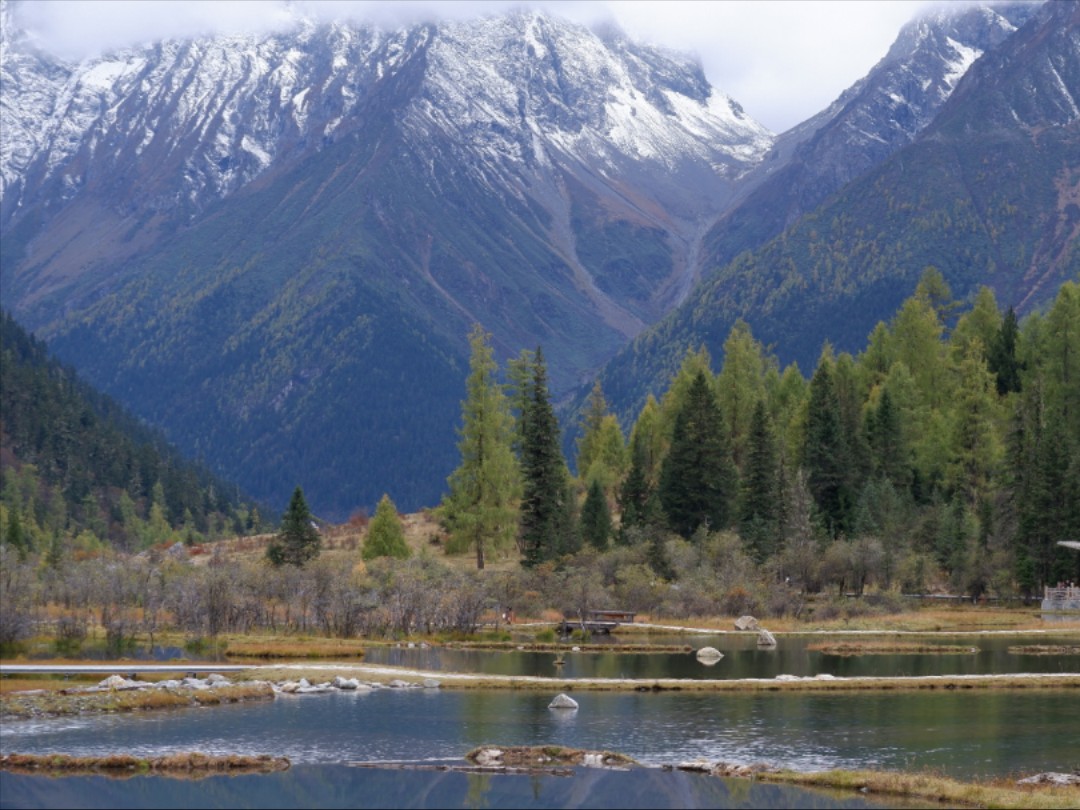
<point>188,765</point>
<point>1031,793</point>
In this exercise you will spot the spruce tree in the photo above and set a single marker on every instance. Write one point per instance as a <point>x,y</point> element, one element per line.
<point>698,480</point>
<point>298,541</point>
<point>480,510</point>
<point>386,535</point>
<point>1002,358</point>
<point>596,518</point>
<point>546,518</point>
<point>825,452</point>
<point>759,512</point>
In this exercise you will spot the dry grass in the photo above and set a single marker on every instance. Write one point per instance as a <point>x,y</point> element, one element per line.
<point>22,705</point>
<point>184,765</point>
<point>290,647</point>
<point>1044,649</point>
<point>849,648</point>
<point>951,792</point>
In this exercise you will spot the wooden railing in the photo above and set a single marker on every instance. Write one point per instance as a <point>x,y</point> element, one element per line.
<point>1065,594</point>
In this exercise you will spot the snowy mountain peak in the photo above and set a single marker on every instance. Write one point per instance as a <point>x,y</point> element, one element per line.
<point>205,116</point>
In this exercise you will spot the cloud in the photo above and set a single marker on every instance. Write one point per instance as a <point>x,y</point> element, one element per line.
<point>782,60</point>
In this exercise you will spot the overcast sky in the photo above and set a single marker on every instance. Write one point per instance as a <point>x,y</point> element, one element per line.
<point>783,60</point>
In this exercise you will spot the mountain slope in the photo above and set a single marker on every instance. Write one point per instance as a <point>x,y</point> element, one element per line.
<point>988,193</point>
<point>275,247</point>
<point>870,121</point>
<point>72,460</point>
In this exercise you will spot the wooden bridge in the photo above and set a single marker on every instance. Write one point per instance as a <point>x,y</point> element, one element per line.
<point>596,621</point>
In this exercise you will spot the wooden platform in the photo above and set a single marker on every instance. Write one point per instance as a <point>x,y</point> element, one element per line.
<point>597,621</point>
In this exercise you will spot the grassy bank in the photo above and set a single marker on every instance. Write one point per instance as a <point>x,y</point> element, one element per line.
<point>950,792</point>
<point>52,703</point>
<point>123,766</point>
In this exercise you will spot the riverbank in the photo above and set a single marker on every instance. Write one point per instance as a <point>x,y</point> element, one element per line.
<point>787,683</point>
<point>189,765</point>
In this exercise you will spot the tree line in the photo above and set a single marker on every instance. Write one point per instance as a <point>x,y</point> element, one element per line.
<point>945,454</point>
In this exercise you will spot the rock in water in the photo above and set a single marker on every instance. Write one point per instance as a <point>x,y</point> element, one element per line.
<point>709,655</point>
<point>563,701</point>
<point>747,623</point>
<point>765,638</point>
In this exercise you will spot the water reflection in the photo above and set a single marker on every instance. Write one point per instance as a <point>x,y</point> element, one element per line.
<point>742,659</point>
<point>339,786</point>
<point>962,733</point>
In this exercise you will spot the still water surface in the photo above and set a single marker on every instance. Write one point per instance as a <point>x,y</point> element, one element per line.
<point>332,786</point>
<point>962,733</point>
<point>743,659</point>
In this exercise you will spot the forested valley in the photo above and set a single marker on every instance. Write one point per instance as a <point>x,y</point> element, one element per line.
<point>943,458</point>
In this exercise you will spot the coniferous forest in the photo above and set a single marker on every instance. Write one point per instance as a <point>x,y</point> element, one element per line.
<point>79,472</point>
<point>942,458</point>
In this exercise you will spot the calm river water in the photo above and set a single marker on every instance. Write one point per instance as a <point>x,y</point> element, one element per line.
<point>963,733</point>
<point>743,659</point>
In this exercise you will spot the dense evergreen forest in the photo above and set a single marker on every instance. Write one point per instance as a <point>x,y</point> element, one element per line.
<point>946,455</point>
<point>79,473</point>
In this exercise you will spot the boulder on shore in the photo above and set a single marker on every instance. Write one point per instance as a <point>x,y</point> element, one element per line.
<point>747,623</point>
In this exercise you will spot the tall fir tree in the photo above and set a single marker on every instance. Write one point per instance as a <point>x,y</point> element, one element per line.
<point>760,501</point>
<point>480,510</point>
<point>546,513</point>
<point>596,518</point>
<point>298,541</point>
<point>698,480</point>
<point>825,452</point>
<point>1002,359</point>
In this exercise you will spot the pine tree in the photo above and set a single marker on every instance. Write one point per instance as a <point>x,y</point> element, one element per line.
<point>825,452</point>
<point>546,525</point>
<point>480,510</point>
<point>298,541</point>
<point>15,536</point>
<point>596,518</point>
<point>740,386</point>
<point>1002,360</point>
<point>759,509</point>
<point>596,408</point>
<point>698,481</point>
<point>889,455</point>
<point>386,535</point>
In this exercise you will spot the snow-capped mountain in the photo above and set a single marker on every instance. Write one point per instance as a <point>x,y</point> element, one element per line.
<point>545,179</point>
<point>274,246</point>
<point>881,113</point>
<point>199,119</point>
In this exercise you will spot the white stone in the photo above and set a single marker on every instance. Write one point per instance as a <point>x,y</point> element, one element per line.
<point>709,655</point>
<point>563,701</point>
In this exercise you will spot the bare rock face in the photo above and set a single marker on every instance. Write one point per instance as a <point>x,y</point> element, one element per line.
<point>747,623</point>
<point>765,638</point>
<point>709,655</point>
<point>563,701</point>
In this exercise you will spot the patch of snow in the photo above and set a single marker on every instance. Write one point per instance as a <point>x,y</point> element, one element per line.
<point>957,67</point>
